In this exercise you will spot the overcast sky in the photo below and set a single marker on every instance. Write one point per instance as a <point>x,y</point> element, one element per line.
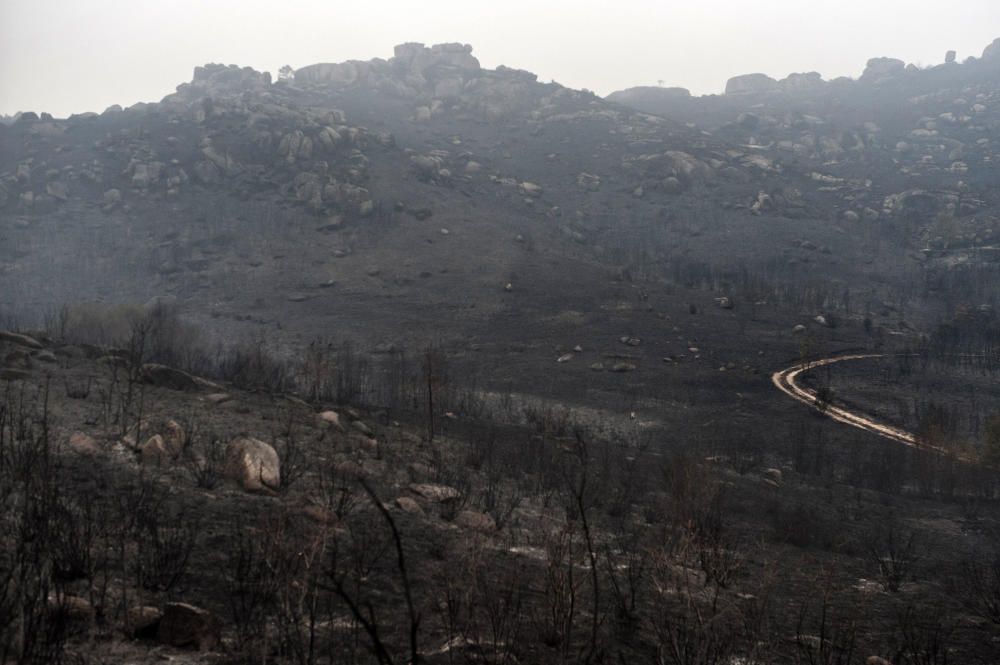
<point>67,56</point>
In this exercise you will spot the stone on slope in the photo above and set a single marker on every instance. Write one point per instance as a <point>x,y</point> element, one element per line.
<point>70,609</point>
<point>363,427</point>
<point>142,622</point>
<point>330,419</point>
<point>408,505</point>
<point>82,444</point>
<point>475,521</point>
<point>155,451</point>
<point>435,493</point>
<point>18,339</point>
<point>187,626</point>
<point>174,437</point>
<point>168,377</point>
<point>253,464</point>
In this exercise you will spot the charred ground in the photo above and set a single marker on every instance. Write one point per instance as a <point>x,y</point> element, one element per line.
<point>560,311</point>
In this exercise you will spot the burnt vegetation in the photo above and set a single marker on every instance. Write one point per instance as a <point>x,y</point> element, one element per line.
<point>397,533</point>
<point>440,364</point>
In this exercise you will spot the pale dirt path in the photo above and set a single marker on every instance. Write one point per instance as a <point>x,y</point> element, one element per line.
<point>785,380</point>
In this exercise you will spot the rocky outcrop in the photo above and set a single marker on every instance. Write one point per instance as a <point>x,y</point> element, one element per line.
<point>325,194</point>
<point>800,82</point>
<point>340,74</point>
<point>882,68</point>
<point>221,79</point>
<point>142,175</point>
<point>443,68</point>
<point>992,52</point>
<point>642,95</point>
<point>296,146</point>
<point>432,77</point>
<point>686,167</point>
<point>415,58</point>
<point>672,172</point>
<point>750,83</point>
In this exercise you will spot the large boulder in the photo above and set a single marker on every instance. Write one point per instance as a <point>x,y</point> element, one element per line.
<point>408,505</point>
<point>253,464</point>
<point>174,437</point>
<point>435,493</point>
<point>81,444</point>
<point>328,138</point>
<point>168,377</point>
<point>218,78</point>
<point>155,451</point>
<point>686,167</point>
<point>750,83</point>
<point>475,521</point>
<point>57,190</point>
<point>340,74</point>
<point>221,159</point>
<point>18,339</point>
<point>417,59</point>
<point>992,52</point>
<point>187,626</point>
<point>531,190</point>
<point>802,81</point>
<point>142,622</point>
<point>295,146</point>
<point>588,181</point>
<point>111,199</point>
<point>142,175</point>
<point>330,419</point>
<point>881,68</point>
<point>70,610</point>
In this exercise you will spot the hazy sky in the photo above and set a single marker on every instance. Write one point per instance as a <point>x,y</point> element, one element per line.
<point>66,56</point>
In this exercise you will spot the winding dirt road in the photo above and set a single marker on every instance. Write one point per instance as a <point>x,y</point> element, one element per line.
<point>785,380</point>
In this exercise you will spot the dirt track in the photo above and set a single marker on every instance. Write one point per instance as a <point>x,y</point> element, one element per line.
<point>785,380</point>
